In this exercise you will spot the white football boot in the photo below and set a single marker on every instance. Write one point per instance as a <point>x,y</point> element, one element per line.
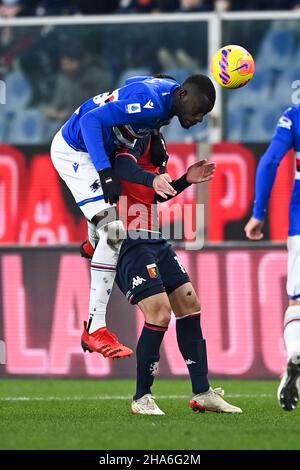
<point>145,406</point>
<point>213,400</point>
<point>288,390</point>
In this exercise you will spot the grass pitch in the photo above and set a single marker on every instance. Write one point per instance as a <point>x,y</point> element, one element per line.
<point>94,414</point>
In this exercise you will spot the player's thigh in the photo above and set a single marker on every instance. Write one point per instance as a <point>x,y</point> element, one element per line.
<point>136,276</point>
<point>172,271</point>
<point>156,309</point>
<point>293,277</point>
<point>78,172</point>
<point>184,300</point>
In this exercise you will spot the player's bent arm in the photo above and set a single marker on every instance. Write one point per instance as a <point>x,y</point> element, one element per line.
<point>266,174</point>
<point>125,167</point>
<point>179,185</point>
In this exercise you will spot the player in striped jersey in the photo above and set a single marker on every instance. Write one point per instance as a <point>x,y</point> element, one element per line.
<point>286,137</point>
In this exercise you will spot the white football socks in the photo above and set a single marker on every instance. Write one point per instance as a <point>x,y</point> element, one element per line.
<point>292,330</point>
<point>103,272</point>
<point>92,234</point>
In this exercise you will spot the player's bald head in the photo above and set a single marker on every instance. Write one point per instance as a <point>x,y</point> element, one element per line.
<point>193,99</point>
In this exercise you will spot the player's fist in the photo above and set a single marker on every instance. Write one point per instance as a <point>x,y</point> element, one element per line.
<point>110,184</point>
<point>253,229</point>
<point>162,187</point>
<point>200,172</point>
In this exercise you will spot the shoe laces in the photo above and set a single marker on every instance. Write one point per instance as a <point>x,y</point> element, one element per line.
<point>149,401</point>
<point>108,335</point>
<point>219,391</point>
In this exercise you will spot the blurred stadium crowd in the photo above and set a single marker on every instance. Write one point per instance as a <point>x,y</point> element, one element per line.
<point>11,8</point>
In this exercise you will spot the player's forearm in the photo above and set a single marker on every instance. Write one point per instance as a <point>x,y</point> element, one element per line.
<point>92,134</point>
<point>265,177</point>
<point>179,185</point>
<point>126,168</point>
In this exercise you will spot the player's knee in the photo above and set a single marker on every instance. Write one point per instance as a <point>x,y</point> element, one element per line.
<point>159,315</point>
<point>163,317</point>
<point>115,233</point>
<point>190,302</point>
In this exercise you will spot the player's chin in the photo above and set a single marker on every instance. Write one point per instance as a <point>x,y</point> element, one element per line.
<point>185,124</point>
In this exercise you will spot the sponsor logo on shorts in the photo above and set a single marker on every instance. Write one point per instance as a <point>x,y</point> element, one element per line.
<point>133,108</point>
<point>152,270</point>
<point>137,281</point>
<point>75,166</point>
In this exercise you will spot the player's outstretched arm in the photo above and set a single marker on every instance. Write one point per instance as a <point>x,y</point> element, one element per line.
<point>199,172</point>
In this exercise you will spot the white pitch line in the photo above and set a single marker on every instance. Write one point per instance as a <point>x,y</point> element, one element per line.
<point>121,397</point>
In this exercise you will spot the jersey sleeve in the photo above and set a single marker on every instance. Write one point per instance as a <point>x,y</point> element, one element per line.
<point>282,142</point>
<point>138,110</point>
<point>126,163</point>
<point>285,127</point>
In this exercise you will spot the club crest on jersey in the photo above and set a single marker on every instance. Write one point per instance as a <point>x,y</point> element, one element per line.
<point>152,270</point>
<point>133,108</point>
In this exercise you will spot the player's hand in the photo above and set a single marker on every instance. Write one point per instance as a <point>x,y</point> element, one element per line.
<point>110,184</point>
<point>200,172</point>
<point>253,229</point>
<point>162,187</point>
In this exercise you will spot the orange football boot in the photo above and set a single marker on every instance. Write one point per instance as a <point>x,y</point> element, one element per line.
<point>104,342</point>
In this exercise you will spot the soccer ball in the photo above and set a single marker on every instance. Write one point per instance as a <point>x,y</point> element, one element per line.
<point>232,66</point>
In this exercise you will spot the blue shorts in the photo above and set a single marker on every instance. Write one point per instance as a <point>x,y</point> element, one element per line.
<point>148,267</point>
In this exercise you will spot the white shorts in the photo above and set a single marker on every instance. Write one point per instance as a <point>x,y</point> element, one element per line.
<point>293,278</point>
<point>77,170</point>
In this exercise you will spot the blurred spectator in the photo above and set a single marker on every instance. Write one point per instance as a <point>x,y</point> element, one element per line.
<point>77,80</point>
<point>54,7</point>
<point>195,5</point>
<point>252,5</point>
<point>92,7</point>
<point>139,6</point>
<point>11,8</point>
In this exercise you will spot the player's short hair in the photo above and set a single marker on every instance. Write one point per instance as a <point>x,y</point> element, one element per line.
<point>163,75</point>
<point>203,85</point>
